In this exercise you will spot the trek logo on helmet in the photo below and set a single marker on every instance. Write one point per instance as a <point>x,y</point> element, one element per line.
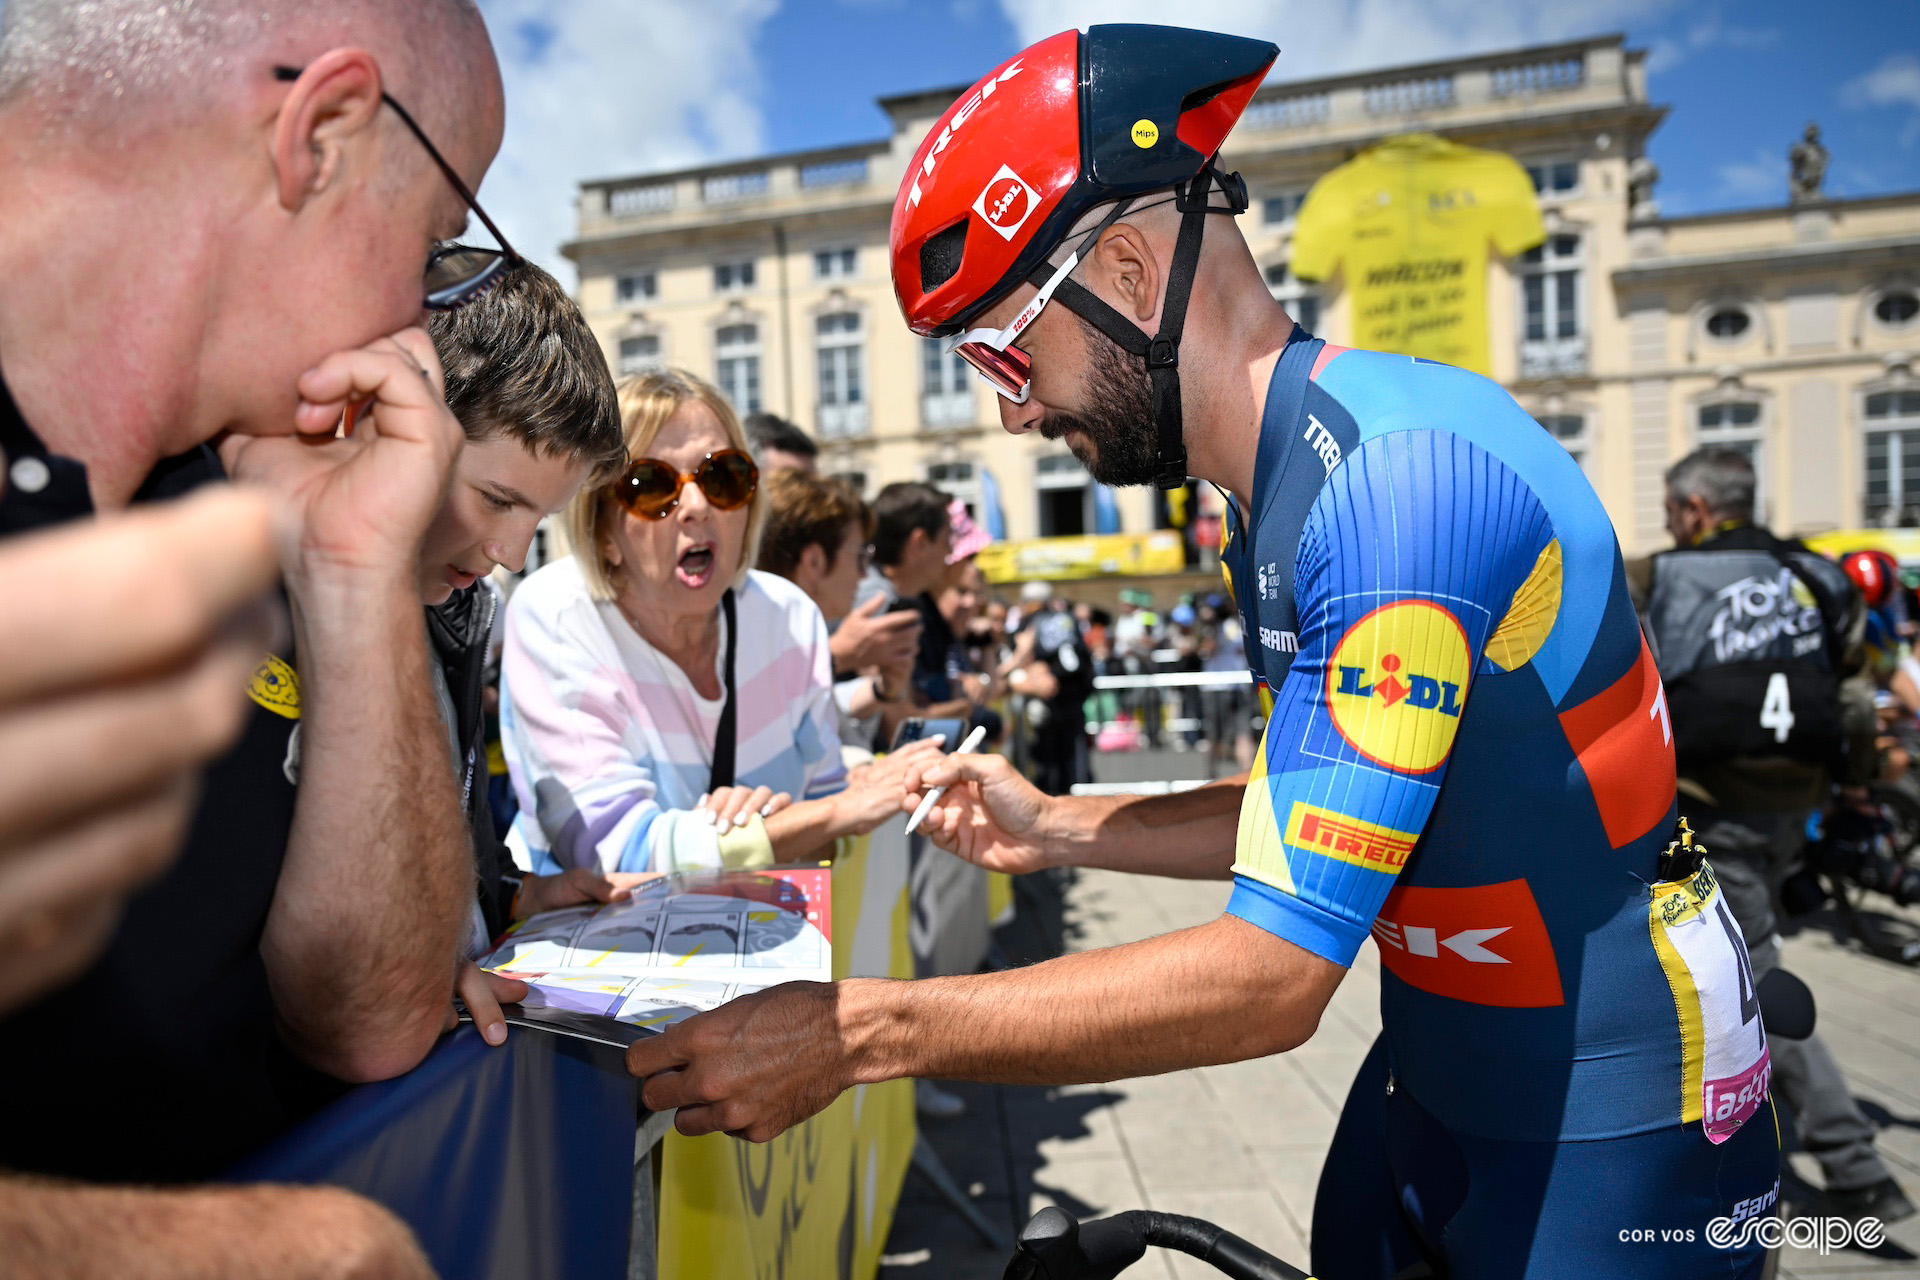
<point>1005,203</point>
<point>960,117</point>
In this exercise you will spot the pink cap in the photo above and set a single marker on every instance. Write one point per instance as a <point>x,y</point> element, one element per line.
<point>969,539</point>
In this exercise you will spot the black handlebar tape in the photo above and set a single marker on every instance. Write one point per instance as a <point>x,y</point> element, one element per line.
<point>1228,1253</point>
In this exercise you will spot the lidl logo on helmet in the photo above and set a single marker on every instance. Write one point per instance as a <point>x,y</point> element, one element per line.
<point>1397,684</point>
<point>1005,203</point>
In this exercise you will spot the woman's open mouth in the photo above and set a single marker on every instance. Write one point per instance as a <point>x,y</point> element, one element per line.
<point>695,568</point>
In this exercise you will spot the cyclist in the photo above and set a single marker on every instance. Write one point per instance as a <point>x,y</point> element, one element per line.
<point>1468,754</point>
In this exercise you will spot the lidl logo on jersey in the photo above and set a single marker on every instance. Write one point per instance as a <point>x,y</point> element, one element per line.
<point>1364,844</point>
<point>1397,685</point>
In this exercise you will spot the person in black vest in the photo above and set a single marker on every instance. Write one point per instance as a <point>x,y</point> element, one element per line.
<point>1754,636</point>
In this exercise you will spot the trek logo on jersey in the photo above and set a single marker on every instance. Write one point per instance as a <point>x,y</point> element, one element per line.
<point>1623,739</point>
<point>958,120</point>
<point>1363,844</point>
<point>1321,441</point>
<point>1005,203</point>
<point>1485,944</point>
<point>1397,685</point>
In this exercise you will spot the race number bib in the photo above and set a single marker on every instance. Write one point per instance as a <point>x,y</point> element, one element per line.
<point>1725,1068</point>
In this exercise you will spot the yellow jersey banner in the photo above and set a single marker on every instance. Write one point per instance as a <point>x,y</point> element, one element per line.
<point>1409,223</point>
<point>1090,556</point>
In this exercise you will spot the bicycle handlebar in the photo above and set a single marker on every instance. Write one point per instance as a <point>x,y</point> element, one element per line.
<point>1053,1246</point>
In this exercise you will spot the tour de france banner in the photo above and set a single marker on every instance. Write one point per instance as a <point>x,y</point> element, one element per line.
<point>1409,223</point>
<point>818,1200</point>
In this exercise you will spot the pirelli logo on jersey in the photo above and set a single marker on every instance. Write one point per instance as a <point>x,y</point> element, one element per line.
<point>1350,840</point>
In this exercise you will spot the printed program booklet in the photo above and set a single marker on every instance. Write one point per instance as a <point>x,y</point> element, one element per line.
<point>682,944</point>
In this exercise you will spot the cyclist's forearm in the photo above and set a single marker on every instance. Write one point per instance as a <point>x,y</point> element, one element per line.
<point>1187,835</point>
<point>1222,992</point>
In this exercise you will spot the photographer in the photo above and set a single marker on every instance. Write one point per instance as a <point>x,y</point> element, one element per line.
<point>1754,636</point>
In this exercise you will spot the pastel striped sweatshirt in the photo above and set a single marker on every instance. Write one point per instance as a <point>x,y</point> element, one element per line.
<point>609,745</point>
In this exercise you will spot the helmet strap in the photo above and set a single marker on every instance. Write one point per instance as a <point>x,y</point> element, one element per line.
<point>1162,351</point>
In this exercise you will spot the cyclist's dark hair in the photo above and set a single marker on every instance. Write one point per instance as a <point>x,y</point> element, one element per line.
<point>898,510</point>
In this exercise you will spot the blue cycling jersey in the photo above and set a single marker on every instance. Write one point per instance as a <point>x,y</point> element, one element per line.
<point>1468,758</point>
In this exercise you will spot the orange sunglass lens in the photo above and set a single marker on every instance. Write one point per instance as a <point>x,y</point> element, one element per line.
<point>648,488</point>
<point>728,480</point>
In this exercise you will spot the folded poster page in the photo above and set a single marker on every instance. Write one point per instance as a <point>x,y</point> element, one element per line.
<point>682,944</point>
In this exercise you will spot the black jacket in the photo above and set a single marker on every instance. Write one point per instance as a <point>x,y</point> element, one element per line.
<point>460,630</point>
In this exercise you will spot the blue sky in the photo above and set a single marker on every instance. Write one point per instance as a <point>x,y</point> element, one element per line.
<point>600,87</point>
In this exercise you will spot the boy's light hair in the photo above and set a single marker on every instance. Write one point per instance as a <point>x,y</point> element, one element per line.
<point>647,402</point>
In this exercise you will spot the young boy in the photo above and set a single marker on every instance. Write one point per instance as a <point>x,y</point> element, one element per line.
<point>531,388</point>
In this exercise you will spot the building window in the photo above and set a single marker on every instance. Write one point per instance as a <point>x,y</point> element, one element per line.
<point>1281,209</point>
<point>1736,425</point>
<point>1555,177</point>
<point>1896,308</point>
<point>1301,300</point>
<point>957,480</point>
<point>640,354</point>
<point>1553,343</point>
<point>737,365</point>
<point>1065,492</point>
<point>840,263</point>
<point>1893,459</point>
<point>636,286</point>
<point>843,393</point>
<point>856,479</point>
<point>733,277</point>
<point>1570,429</point>
<point>946,386</point>
<point>1728,324</point>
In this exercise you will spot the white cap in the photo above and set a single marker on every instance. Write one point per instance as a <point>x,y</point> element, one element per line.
<point>1036,593</point>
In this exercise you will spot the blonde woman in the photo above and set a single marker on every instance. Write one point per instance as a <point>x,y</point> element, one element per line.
<point>615,683</point>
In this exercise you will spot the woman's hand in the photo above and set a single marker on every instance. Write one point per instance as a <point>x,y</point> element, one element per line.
<point>869,802</point>
<point>574,887</point>
<point>730,807</point>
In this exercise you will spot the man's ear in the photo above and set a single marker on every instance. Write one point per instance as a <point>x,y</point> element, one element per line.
<point>813,560</point>
<point>332,107</point>
<point>1132,275</point>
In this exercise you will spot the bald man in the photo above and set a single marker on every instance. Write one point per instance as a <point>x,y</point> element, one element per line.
<point>215,227</point>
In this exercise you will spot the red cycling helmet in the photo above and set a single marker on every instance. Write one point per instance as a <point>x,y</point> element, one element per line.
<point>1875,573</point>
<point>1068,124</point>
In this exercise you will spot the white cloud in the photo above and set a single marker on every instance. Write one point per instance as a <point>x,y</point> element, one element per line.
<point>1894,83</point>
<point>597,90</point>
<point>1319,39</point>
<point>1763,177</point>
<point>1710,32</point>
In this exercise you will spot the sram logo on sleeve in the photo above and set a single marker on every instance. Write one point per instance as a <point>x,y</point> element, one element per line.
<point>1397,683</point>
<point>1005,202</point>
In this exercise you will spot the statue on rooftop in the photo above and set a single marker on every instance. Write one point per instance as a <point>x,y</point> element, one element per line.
<point>1809,161</point>
<point>1642,174</point>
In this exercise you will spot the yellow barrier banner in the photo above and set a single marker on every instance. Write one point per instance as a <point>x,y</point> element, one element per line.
<point>1409,222</point>
<point>1902,544</point>
<point>1092,556</point>
<point>817,1201</point>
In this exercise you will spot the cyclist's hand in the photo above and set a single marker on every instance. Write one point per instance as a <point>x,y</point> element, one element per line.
<point>990,815</point>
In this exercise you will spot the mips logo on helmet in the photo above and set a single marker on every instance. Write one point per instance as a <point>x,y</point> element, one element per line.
<point>1005,203</point>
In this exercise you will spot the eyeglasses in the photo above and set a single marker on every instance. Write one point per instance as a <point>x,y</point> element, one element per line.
<point>651,489</point>
<point>991,352</point>
<point>456,273</point>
